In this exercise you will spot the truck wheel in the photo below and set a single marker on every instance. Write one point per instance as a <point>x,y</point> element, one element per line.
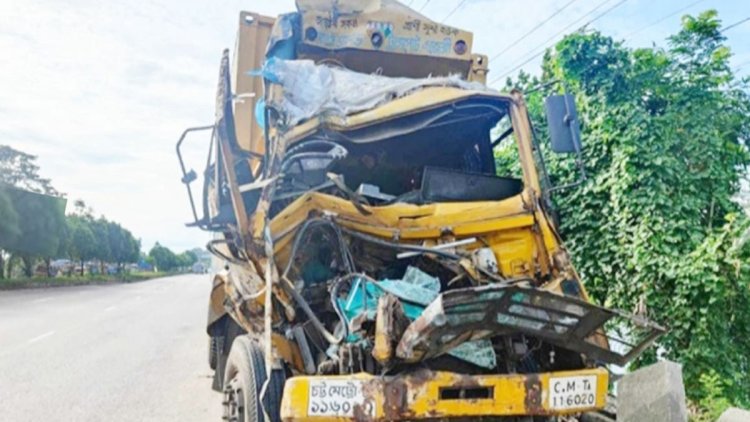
<point>244,377</point>
<point>213,351</point>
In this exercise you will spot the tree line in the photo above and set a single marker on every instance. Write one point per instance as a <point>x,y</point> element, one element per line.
<point>166,260</point>
<point>34,227</point>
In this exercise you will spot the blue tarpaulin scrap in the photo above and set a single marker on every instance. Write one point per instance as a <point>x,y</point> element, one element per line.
<point>416,290</point>
<point>284,37</point>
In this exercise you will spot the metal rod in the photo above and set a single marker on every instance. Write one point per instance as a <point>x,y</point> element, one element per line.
<point>438,247</point>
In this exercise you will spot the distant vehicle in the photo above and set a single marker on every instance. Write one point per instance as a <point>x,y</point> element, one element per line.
<point>200,268</point>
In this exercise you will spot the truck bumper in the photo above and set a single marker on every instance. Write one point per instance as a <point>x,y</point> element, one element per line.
<point>426,394</point>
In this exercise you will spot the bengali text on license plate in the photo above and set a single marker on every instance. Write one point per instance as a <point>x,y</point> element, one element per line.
<point>572,392</point>
<point>337,398</point>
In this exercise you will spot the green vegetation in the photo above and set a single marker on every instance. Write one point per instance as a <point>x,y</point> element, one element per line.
<point>656,227</point>
<point>34,230</point>
<point>88,238</point>
<point>166,260</point>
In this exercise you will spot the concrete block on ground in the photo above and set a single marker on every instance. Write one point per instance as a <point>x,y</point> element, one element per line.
<point>734,414</point>
<point>654,393</point>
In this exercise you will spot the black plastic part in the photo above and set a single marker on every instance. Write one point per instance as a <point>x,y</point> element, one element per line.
<point>442,185</point>
<point>564,129</point>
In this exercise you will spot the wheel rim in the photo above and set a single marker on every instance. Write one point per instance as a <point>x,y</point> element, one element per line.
<point>234,401</point>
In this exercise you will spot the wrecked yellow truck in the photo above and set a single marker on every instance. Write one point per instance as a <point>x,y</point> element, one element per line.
<point>376,267</point>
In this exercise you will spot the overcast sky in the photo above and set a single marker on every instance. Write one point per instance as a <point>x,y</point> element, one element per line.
<point>101,90</point>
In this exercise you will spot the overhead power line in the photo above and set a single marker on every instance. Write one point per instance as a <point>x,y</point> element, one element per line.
<point>735,24</point>
<point>545,45</point>
<point>532,30</point>
<point>461,3</point>
<point>740,66</point>
<point>663,18</point>
<point>424,5</point>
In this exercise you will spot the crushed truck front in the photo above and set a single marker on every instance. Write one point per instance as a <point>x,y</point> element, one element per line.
<point>374,259</point>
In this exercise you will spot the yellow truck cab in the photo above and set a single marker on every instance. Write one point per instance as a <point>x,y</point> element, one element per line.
<point>376,266</point>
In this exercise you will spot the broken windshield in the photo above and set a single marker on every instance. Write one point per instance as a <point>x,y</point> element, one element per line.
<point>439,155</point>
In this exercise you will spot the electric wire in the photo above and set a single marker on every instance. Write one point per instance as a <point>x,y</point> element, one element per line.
<point>461,3</point>
<point>735,24</point>
<point>545,44</point>
<point>663,18</point>
<point>424,5</point>
<point>532,30</point>
<point>547,41</point>
<point>741,65</point>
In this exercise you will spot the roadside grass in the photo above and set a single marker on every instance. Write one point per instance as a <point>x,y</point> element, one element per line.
<point>77,280</point>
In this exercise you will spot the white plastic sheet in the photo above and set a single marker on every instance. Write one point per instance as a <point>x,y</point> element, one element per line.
<point>310,89</point>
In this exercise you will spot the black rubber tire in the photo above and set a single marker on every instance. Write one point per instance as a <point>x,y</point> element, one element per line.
<point>214,343</point>
<point>245,374</point>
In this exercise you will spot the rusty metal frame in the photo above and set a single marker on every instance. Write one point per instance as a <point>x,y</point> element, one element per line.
<point>189,176</point>
<point>416,395</point>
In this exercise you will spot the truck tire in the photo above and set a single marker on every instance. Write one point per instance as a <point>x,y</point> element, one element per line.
<point>214,343</point>
<point>244,376</point>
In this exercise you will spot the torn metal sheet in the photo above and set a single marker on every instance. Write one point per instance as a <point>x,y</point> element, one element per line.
<point>390,324</point>
<point>416,290</point>
<point>482,312</point>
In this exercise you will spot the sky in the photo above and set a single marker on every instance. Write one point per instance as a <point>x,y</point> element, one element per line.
<point>100,91</point>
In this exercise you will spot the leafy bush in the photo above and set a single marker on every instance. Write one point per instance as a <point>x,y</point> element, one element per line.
<point>656,223</point>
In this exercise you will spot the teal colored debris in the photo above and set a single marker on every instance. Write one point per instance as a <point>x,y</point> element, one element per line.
<point>416,290</point>
<point>479,352</point>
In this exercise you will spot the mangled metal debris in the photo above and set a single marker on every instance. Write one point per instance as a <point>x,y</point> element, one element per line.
<point>477,313</point>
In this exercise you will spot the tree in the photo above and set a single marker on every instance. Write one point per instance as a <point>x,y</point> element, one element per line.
<point>163,257</point>
<point>103,252</point>
<point>656,224</point>
<point>82,240</point>
<point>186,259</point>
<point>9,227</point>
<point>123,246</point>
<point>40,228</point>
<point>19,169</point>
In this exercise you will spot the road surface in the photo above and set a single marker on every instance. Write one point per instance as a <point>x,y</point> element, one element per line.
<point>129,352</point>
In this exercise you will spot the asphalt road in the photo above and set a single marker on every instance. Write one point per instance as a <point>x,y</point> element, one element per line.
<point>130,352</point>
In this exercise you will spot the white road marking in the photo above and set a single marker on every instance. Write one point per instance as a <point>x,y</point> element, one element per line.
<point>111,308</point>
<point>43,336</point>
<point>42,300</point>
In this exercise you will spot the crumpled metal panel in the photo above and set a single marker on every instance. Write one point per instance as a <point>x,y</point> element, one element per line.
<point>478,313</point>
<point>415,290</point>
